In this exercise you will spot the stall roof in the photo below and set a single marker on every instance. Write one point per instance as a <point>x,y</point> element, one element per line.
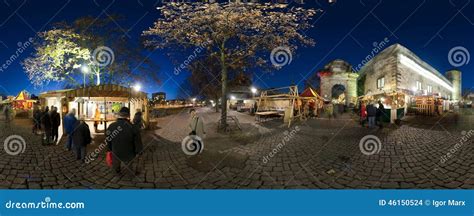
<point>107,90</point>
<point>309,92</point>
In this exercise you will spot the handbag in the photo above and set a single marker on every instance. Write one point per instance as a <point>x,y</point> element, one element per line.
<point>108,158</point>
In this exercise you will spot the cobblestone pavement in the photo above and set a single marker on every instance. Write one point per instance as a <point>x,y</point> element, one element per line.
<point>424,152</point>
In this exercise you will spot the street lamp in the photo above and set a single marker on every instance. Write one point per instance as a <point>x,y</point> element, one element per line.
<point>254,90</point>
<point>137,87</point>
<point>85,70</point>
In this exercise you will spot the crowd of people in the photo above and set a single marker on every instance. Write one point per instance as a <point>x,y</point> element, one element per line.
<point>46,122</point>
<point>371,113</point>
<point>125,144</point>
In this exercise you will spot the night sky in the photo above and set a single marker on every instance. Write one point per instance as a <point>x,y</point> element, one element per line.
<point>344,30</point>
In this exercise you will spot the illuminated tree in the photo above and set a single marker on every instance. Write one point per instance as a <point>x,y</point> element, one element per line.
<point>237,33</point>
<point>97,45</point>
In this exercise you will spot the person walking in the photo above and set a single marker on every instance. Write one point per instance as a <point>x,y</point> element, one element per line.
<point>371,113</point>
<point>47,126</point>
<point>363,113</point>
<point>380,114</point>
<point>196,124</point>
<point>81,137</point>
<point>138,119</point>
<point>70,122</point>
<point>55,123</point>
<point>36,119</point>
<point>124,141</point>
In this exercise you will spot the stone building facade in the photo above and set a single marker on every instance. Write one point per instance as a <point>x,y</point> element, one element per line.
<point>339,74</point>
<point>397,69</point>
<point>394,70</point>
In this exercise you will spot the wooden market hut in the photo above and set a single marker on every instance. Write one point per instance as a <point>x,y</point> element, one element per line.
<point>97,105</point>
<point>285,102</point>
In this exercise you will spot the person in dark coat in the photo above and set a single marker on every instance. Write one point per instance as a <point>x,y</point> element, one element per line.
<point>138,119</point>
<point>47,125</point>
<point>81,137</point>
<point>55,123</point>
<point>371,113</point>
<point>380,114</point>
<point>36,119</point>
<point>124,140</point>
<point>70,121</point>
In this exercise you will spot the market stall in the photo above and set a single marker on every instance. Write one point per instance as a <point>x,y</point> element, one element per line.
<point>279,102</point>
<point>394,104</point>
<point>97,105</point>
<point>312,103</point>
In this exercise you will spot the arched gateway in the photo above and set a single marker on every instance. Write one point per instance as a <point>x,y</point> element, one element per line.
<point>337,78</point>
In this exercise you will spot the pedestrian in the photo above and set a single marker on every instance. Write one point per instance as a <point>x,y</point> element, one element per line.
<point>124,141</point>
<point>380,114</point>
<point>371,113</point>
<point>70,122</point>
<point>330,110</point>
<point>363,113</point>
<point>6,112</point>
<point>196,124</point>
<point>81,137</point>
<point>55,123</point>
<point>36,119</point>
<point>97,118</point>
<point>47,126</point>
<point>138,119</point>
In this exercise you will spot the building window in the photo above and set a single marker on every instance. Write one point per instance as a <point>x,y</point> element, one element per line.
<point>430,89</point>
<point>380,82</point>
<point>418,85</point>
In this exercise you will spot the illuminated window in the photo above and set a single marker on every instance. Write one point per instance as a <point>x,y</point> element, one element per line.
<point>418,85</point>
<point>430,89</point>
<point>380,82</point>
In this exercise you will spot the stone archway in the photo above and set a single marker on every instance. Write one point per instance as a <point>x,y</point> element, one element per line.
<point>338,93</point>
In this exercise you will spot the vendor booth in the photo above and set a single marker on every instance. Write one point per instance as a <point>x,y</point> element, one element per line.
<point>97,105</point>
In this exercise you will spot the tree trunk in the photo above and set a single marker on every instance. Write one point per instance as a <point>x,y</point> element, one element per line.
<point>216,99</point>
<point>224,92</point>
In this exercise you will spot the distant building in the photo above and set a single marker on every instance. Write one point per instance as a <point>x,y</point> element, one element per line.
<point>158,96</point>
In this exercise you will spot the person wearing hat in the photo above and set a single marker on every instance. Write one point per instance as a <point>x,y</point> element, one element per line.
<point>124,141</point>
